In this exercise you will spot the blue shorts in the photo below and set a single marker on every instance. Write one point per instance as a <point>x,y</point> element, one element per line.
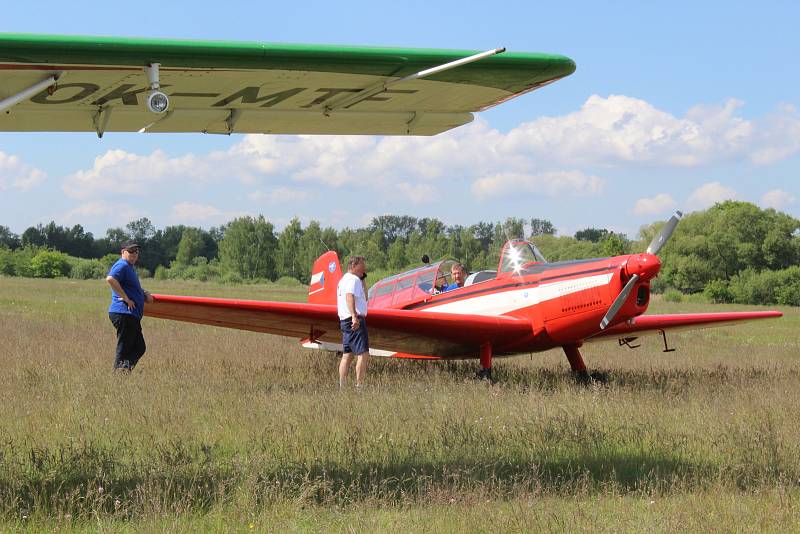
<point>354,342</point>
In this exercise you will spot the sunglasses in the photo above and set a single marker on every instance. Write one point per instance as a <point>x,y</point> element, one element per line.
<point>134,251</point>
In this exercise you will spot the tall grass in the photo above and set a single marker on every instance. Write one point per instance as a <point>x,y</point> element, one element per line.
<point>218,424</point>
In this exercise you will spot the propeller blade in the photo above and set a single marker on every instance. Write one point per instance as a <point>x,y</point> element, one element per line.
<point>665,233</point>
<point>619,301</point>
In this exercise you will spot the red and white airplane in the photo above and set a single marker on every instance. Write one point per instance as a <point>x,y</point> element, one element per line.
<point>527,305</point>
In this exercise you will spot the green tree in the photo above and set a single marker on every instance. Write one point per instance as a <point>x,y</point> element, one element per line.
<point>50,264</point>
<point>567,248</point>
<point>312,246</point>
<point>542,227</point>
<point>288,253</point>
<point>393,227</point>
<point>34,236</point>
<point>190,246</point>
<point>141,230</point>
<point>615,245</point>
<point>725,240</point>
<point>115,237</point>
<point>248,248</point>
<point>8,239</point>
<point>514,228</point>
<point>396,259</point>
<point>595,235</point>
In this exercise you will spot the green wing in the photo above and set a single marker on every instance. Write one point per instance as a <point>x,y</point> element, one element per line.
<point>227,87</point>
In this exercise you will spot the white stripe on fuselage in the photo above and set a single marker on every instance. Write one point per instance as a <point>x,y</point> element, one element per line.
<point>509,301</point>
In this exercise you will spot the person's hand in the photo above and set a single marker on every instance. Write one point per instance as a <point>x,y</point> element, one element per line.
<point>129,303</point>
<point>148,298</point>
<point>356,323</point>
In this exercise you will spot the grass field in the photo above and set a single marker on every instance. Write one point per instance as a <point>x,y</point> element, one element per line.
<point>235,431</point>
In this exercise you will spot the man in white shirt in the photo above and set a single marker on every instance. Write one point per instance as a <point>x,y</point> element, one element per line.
<point>351,301</point>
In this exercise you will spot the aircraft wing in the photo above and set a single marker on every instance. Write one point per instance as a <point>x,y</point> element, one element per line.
<point>414,332</point>
<point>241,87</point>
<point>685,321</point>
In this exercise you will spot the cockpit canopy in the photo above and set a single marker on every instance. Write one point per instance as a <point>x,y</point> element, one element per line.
<point>410,286</point>
<point>517,257</point>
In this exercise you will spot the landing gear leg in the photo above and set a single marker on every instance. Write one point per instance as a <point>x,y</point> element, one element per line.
<point>486,362</point>
<point>578,366</point>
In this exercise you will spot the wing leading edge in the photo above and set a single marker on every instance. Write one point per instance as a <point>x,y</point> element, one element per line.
<point>408,331</point>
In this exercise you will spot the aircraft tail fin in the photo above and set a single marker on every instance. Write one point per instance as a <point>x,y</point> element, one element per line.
<point>325,276</point>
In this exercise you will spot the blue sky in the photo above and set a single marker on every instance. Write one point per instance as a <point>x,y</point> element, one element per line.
<point>673,106</point>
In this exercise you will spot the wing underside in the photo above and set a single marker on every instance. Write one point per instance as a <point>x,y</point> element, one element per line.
<point>412,332</point>
<point>221,87</point>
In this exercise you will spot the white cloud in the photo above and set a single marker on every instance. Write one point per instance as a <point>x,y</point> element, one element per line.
<point>555,156</point>
<point>780,137</point>
<point>777,198</point>
<point>709,194</point>
<point>118,172</point>
<point>279,195</point>
<point>661,203</point>
<point>15,174</point>
<point>551,184</point>
<point>117,213</point>
<point>623,130</point>
<point>418,193</point>
<point>195,213</point>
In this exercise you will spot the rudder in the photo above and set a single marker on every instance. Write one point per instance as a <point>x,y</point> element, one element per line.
<point>325,276</point>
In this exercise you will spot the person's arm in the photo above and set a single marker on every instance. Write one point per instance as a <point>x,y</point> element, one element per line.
<point>351,307</point>
<point>115,285</point>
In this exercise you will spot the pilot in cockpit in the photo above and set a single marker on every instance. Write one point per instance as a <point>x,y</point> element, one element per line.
<point>459,274</point>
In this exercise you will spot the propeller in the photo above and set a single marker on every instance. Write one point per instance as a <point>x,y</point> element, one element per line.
<point>621,299</point>
<point>655,246</point>
<point>665,233</point>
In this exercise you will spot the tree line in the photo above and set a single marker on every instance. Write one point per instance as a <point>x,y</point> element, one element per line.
<point>732,252</point>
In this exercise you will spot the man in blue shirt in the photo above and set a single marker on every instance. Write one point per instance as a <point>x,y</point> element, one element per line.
<point>127,307</point>
<point>459,274</point>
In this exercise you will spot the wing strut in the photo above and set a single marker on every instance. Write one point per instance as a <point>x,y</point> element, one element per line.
<point>29,92</point>
<point>384,85</point>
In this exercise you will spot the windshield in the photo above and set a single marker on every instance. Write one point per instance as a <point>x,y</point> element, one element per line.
<point>517,256</point>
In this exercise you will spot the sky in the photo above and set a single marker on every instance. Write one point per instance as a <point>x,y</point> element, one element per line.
<point>674,105</point>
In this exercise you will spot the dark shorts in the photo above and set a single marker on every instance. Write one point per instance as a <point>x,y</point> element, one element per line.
<point>354,342</point>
